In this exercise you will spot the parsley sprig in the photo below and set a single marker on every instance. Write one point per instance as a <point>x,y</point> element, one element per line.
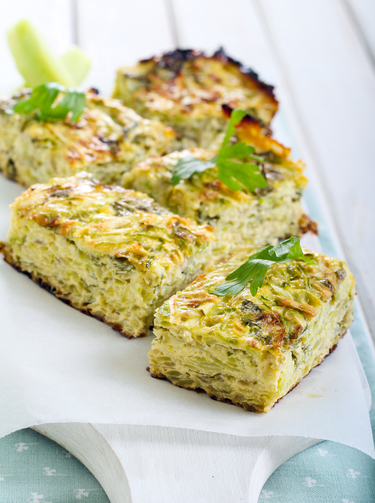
<point>42,100</point>
<point>234,174</point>
<point>257,265</point>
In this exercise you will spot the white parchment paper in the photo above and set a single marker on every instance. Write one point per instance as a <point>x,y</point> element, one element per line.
<point>58,365</point>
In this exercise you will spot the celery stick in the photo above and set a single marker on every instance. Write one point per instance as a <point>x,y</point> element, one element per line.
<point>76,63</point>
<point>34,60</point>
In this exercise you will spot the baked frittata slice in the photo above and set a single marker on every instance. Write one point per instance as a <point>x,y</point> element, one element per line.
<point>186,89</point>
<point>110,252</point>
<point>251,350</point>
<point>238,217</point>
<point>108,140</point>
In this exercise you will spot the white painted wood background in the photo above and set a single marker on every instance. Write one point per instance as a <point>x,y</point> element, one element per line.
<point>320,54</point>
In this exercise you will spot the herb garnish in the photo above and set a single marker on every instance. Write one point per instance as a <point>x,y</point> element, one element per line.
<point>257,265</point>
<point>43,97</point>
<point>234,174</point>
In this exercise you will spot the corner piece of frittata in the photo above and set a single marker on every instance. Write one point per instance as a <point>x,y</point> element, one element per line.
<point>110,252</point>
<point>185,89</point>
<point>252,350</point>
<point>107,141</point>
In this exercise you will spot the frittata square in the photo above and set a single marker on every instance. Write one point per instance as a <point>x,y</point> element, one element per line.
<point>239,218</point>
<point>107,140</point>
<point>110,252</point>
<point>186,89</point>
<point>252,350</point>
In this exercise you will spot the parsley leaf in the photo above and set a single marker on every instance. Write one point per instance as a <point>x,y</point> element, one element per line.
<point>234,174</point>
<point>43,97</point>
<point>185,168</point>
<point>235,117</point>
<point>257,265</point>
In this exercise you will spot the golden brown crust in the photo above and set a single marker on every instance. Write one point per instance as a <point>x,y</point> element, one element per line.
<point>248,408</point>
<point>249,126</point>
<point>252,131</point>
<point>108,139</point>
<point>308,225</point>
<point>174,61</point>
<point>44,284</point>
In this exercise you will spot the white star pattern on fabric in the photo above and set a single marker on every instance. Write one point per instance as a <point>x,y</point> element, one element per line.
<point>309,482</point>
<point>21,446</point>
<point>347,501</point>
<point>352,474</point>
<point>49,471</point>
<point>81,492</point>
<point>322,452</point>
<point>267,494</point>
<point>36,498</point>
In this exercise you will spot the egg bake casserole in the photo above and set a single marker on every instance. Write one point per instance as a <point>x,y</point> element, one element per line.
<point>110,252</point>
<point>238,217</point>
<point>251,350</point>
<point>186,89</point>
<point>107,140</point>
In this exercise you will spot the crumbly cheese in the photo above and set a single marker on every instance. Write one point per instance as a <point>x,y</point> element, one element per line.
<point>253,350</point>
<point>113,253</point>
<point>108,140</point>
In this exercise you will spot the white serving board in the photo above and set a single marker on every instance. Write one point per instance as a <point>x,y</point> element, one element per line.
<point>150,464</point>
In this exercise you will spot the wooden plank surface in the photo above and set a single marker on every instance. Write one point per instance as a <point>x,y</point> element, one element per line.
<point>362,13</point>
<point>52,17</point>
<point>120,34</point>
<point>332,84</point>
<point>209,24</point>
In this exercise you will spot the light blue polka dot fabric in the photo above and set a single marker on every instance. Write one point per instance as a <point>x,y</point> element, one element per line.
<point>34,469</point>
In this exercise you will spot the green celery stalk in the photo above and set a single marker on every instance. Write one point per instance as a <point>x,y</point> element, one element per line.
<point>34,60</point>
<point>76,63</point>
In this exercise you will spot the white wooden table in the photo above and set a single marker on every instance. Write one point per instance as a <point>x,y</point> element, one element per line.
<point>320,55</point>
